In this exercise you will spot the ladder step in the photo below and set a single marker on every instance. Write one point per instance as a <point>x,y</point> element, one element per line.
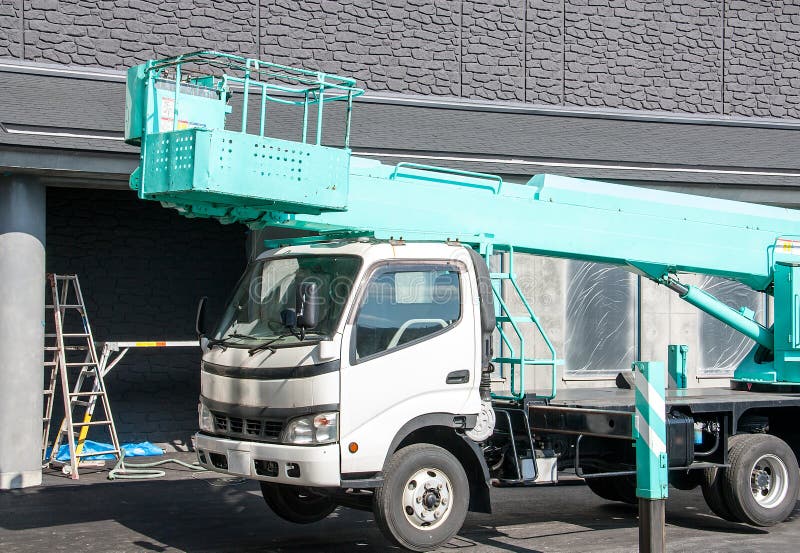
<point>93,453</point>
<point>66,306</point>
<point>89,393</point>
<point>68,335</point>
<point>66,348</point>
<point>527,361</point>
<point>501,276</point>
<point>82,364</point>
<point>516,319</point>
<point>50,363</point>
<point>48,392</point>
<point>65,277</point>
<point>91,423</point>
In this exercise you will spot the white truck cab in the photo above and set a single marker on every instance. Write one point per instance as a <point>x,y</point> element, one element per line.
<point>393,356</point>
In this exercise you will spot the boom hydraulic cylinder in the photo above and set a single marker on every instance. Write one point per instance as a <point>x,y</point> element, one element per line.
<point>741,320</point>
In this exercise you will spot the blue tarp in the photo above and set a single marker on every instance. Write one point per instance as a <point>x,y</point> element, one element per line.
<point>141,449</point>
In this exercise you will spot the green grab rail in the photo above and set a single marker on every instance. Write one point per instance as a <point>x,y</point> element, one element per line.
<point>517,384</point>
<point>447,170</point>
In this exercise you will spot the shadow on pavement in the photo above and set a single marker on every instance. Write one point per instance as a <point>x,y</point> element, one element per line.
<point>204,513</point>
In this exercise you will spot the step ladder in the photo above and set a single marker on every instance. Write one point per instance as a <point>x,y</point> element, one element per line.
<point>68,342</point>
<point>513,360</point>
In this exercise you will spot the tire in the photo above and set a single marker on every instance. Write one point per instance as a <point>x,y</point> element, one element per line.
<point>424,497</point>
<point>296,504</point>
<point>711,484</point>
<point>614,488</point>
<point>762,482</point>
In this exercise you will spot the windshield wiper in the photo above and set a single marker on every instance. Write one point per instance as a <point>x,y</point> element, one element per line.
<point>224,341</point>
<point>268,344</point>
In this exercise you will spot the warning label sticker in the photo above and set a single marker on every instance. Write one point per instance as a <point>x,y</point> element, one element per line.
<point>788,247</point>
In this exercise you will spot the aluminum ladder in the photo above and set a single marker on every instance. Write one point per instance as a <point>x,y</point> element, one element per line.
<point>67,301</point>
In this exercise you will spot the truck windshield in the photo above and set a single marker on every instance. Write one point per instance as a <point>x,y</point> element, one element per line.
<point>269,286</point>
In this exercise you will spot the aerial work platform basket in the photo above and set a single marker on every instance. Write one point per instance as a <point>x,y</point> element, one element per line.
<point>177,109</point>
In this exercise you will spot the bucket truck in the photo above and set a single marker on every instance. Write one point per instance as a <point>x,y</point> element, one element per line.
<point>354,366</point>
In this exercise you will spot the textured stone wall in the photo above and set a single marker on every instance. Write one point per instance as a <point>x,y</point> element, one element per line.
<point>762,58</point>
<point>644,55</point>
<point>409,46</point>
<point>544,53</point>
<point>11,28</point>
<point>493,50</point>
<point>120,33</point>
<point>142,269</point>
<point>690,56</point>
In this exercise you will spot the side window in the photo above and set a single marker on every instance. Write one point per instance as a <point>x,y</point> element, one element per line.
<point>402,305</point>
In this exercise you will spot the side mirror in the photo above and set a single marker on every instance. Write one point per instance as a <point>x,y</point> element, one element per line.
<point>307,305</point>
<point>200,323</point>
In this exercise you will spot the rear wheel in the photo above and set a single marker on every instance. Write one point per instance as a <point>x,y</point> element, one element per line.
<point>762,482</point>
<point>424,497</point>
<point>297,504</point>
<point>711,484</point>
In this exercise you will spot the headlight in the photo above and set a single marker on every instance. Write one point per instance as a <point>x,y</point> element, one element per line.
<point>312,429</point>
<point>206,419</point>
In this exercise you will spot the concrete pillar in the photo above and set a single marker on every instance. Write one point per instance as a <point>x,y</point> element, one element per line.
<point>22,289</point>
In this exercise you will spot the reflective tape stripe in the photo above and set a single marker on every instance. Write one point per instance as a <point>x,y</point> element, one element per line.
<point>156,344</point>
<point>651,438</point>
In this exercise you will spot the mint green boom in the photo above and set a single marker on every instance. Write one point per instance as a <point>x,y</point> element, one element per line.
<point>206,151</point>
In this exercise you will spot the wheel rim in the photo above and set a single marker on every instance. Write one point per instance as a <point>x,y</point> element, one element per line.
<point>769,481</point>
<point>427,498</point>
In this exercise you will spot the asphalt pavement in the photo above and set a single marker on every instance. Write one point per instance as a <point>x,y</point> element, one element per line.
<point>204,512</point>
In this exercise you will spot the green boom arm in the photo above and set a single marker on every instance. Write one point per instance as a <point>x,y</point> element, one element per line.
<point>176,110</point>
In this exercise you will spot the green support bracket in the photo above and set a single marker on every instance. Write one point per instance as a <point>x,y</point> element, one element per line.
<point>676,366</point>
<point>650,431</point>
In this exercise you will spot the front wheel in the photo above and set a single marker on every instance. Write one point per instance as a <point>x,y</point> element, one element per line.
<point>297,504</point>
<point>424,497</point>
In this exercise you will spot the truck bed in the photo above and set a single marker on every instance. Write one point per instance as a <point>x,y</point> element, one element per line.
<point>699,400</point>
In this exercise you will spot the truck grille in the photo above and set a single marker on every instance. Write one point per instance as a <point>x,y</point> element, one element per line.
<point>253,429</point>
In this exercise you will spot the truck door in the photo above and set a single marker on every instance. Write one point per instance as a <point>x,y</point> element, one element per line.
<point>412,351</point>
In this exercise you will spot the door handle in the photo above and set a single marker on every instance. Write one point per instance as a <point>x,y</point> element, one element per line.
<point>458,377</point>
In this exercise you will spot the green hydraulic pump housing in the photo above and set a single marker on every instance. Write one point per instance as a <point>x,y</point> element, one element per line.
<point>242,140</point>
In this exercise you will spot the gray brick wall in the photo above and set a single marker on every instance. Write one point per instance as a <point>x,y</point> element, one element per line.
<point>644,54</point>
<point>762,58</point>
<point>545,51</point>
<point>11,28</point>
<point>690,56</point>
<point>493,50</point>
<point>120,33</point>
<point>399,46</point>
<point>142,270</point>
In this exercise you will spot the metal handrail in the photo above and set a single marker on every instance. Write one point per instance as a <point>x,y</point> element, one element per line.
<point>277,84</point>
<point>521,360</point>
<point>447,170</point>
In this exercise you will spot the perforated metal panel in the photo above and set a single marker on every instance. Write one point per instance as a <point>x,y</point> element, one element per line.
<point>235,169</point>
<point>171,161</point>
